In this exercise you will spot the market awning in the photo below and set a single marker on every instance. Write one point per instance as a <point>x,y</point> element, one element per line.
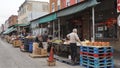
<point>21,24</point>
<point>9,30</point>
<point>77,8</point>
<point>48,18</point>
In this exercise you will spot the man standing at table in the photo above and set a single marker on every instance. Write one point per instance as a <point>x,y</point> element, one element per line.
<point>73,37</point>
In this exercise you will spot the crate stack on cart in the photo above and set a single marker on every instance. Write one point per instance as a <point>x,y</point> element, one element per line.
<point>96,56</point>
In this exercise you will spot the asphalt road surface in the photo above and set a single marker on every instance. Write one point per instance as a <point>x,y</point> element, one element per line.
<point>11,57</point>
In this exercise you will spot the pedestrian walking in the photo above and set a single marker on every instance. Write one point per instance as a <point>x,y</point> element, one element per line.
<point>73,37</point>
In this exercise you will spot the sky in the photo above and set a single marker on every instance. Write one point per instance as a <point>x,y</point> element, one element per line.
<point>10,7</point>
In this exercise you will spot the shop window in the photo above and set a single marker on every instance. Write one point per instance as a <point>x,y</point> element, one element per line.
<point>77,1</point>
<point>58,3</point>
<point>53,7</point>
<point>45,7</point>
<point>68,3</point>
<point>58,7</point>
<point>107,29</point>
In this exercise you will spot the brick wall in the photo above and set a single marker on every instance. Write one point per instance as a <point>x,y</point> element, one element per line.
<point>12,20</point>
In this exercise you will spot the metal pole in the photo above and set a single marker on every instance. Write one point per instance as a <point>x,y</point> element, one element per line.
<point>41,29</point>
<point>93,23</point>
<point>58,28</point>
<point>53,28</point>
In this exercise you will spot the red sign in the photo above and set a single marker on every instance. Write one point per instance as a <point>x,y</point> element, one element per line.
<point>118,5</point>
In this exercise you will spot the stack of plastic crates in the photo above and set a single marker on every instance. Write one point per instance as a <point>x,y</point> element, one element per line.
<point>96,57</point>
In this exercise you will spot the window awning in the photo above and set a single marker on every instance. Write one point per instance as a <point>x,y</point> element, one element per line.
<point>48,18</point>
<point>77,8</point>
<point>9,30</point>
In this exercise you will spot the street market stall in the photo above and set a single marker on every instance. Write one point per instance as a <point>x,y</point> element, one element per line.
<point>63,52</point>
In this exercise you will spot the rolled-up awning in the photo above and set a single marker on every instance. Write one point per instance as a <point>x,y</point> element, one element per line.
<point>77,8</point>
<point>48,18</point>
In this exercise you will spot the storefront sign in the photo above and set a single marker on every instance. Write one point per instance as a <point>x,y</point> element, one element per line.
<point>100,28</point>
<point>118,20</point>
<point>118,5</point>
<point>99,35</point>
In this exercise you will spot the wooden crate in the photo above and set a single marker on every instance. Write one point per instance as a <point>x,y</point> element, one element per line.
<point>38,52</point>
<point>43,51</point>
<point>17,43</point>
<point>38,56</point>
<point>51,63</point>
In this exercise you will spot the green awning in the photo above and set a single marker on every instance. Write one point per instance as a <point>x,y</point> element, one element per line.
<point>77,8</point>
<point>21,24</point>
<point>48,18</point>
<point>9,30</point>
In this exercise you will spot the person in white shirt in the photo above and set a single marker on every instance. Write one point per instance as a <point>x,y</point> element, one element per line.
<point>73,37</point>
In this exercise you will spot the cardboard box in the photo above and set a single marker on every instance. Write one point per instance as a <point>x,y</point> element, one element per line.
<point>43,51</point>
<point>37,51</point>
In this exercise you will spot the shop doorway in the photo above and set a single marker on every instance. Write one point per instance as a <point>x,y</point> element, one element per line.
<point>78,24</point>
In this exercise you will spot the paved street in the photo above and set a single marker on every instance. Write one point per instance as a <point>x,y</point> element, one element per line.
<point>117,59</point>
<point>11,57</point>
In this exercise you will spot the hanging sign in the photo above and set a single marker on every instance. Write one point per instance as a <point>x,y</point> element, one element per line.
<point>118,20</point>
<point>118,5</point>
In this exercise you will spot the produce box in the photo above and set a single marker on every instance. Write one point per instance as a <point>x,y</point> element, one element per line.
<point>17,43</point>
<point>43,51</point>
<point>36,49</point>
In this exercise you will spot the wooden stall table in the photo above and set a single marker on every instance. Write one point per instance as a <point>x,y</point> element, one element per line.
<point>63,51</point>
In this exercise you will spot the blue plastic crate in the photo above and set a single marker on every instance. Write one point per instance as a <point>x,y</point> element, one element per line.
<point>109,60</point>
<point>97,61</point>
<point>92,66</point>
<point>109,50</point>
<point>96,50</point>
<point>83,49</point>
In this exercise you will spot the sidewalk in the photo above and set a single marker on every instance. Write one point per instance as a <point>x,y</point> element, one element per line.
<point>117,58</point>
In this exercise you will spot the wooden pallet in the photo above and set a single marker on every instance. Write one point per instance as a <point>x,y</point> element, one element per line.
<point>66,61</point>
<point>38,56</point>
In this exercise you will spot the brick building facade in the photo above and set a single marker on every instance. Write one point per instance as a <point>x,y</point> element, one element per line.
<point>13,20</point>
<point>56,5</point>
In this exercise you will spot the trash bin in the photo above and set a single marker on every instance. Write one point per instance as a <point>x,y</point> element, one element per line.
<point>30,47</point>
<point>26,44</point>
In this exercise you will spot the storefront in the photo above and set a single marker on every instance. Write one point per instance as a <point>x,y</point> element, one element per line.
<point>79,21</point>
<point>93,19</point>
<point>77,16</point>
<point>106,27</point>
<point>106,21</point>
<point>60,23</point>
